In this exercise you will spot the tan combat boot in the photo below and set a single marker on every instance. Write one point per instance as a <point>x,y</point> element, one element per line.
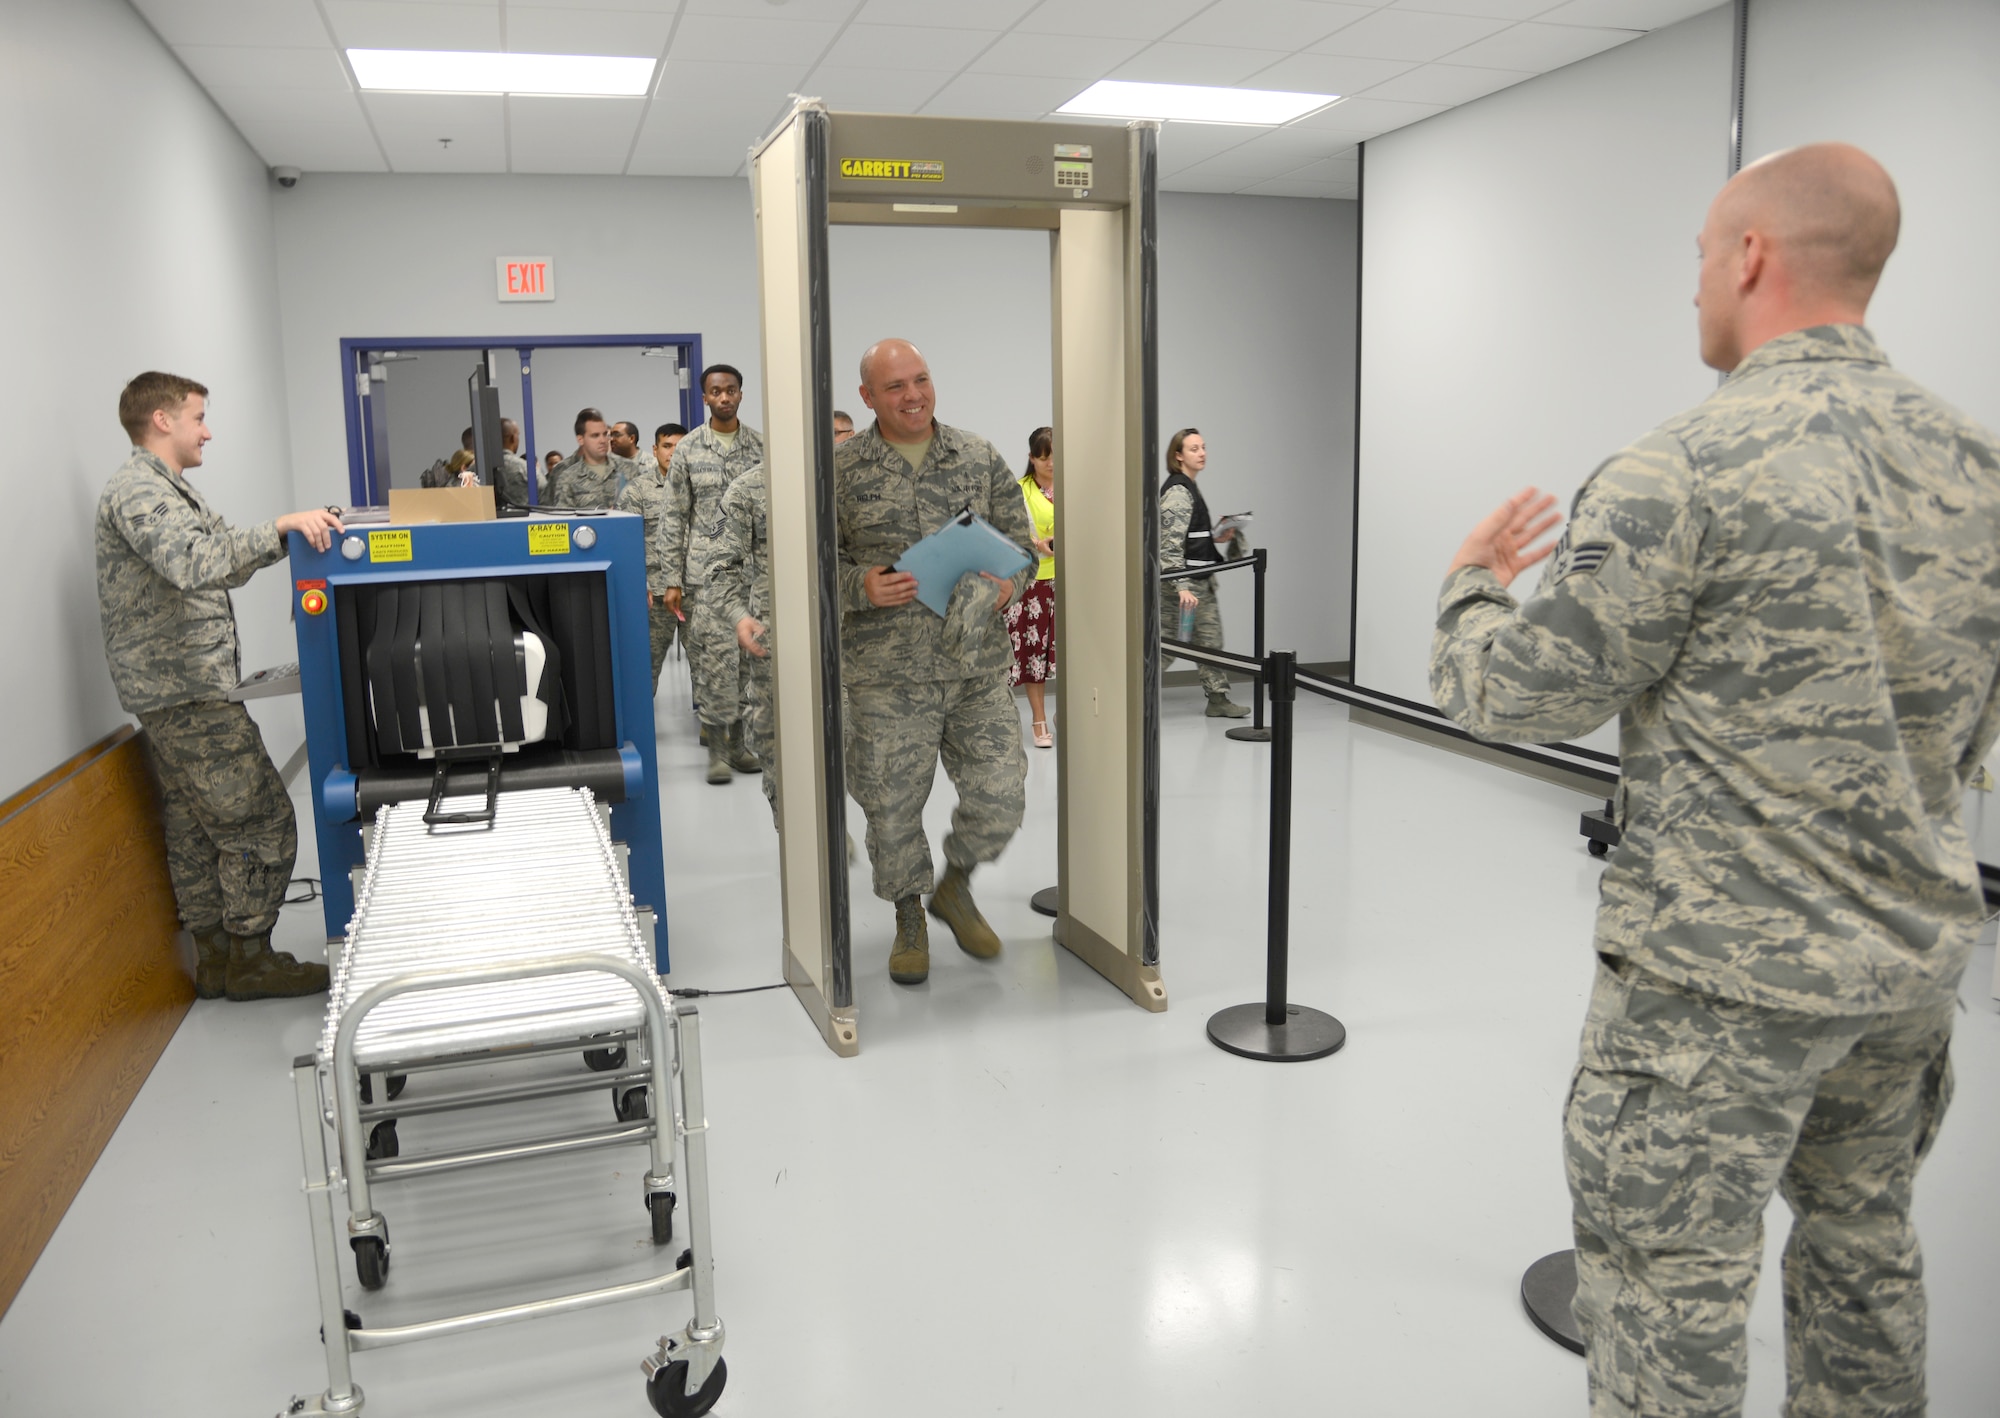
<point>952,903</point>
<point>910,956</point>
<point>1221,706</point>
<point>211,962</point>
<point>741,758</point>
<point>718,757</point>
<point>258,972</point>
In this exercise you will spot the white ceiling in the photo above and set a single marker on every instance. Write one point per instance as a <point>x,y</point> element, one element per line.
<point>277,69</point>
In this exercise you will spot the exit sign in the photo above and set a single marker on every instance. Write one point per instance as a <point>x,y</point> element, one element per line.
<point>526,277</point>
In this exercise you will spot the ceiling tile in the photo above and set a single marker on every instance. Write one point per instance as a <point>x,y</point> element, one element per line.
<point>1267,24</point>
<point>1272,155</point>
<point>1540,47</point>
<point>1369,116</point>
<point>1295,187</point>
<point>379,24</point>
<point>411,125</point>
<point>1069,57</point>
<point>751,39</point>
<point>278,106</point>
<point>1448,83</point>
<point>918,47</point>
<point>985,15</point>
<point>539,29</point>
<point>1328,73</point>
<point>1404,34</point>
<point>833,12</point>
<point>1201,179</point>
<point>728,87</point>
<point>1343,167</point>
<point>1492,9</point>
<point>1112,19</point>
<point>317,147</point>
<point>265,22</point>
<point>1627,14</point>
<point>1002,96</point>
<point>547,134</point>
<point>669,8</point>
<point>1195,64</point>
<point>877,90</point>
<point>683,139</point>
<point>288,70</point>
<point>1183,145</point>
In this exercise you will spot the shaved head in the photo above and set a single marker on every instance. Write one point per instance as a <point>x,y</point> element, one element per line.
<point>1794,240</point>
<point>896,384</point>
<point>887,347</point>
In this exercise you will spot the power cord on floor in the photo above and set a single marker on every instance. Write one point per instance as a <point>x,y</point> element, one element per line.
<point>745,990</point>
<point>312,886</point>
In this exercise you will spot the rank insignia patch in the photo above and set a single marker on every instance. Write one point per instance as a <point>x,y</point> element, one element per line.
<point>1582,559</point>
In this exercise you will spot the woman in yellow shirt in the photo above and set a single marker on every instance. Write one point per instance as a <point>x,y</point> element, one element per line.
<point>1031,621</point>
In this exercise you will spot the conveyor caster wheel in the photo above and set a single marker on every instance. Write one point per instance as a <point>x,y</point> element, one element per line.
<point>396,1082</point>
<point>631,1105</point>
<point>667,1390</point>
<point>382,1141</point>
<point>371,1261</point>
<point>1597,848</point>
<point>604,1060</point>
<point>661,1205</point>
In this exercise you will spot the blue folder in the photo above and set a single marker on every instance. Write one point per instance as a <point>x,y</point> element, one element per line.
<point>968,542</point>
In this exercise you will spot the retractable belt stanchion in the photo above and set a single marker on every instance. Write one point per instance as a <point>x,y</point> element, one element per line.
<point>1255,731</point>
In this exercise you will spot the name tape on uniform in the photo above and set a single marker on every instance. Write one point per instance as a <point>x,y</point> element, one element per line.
<point>892,169</point>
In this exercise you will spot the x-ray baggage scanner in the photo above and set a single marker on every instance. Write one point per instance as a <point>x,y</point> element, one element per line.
<point>1093,188</point>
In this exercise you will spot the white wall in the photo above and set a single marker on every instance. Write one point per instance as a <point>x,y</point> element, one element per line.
<point>1267,280</point>
<point>1918,85</point>
<point>1528,271</point>
<point>140,237</point>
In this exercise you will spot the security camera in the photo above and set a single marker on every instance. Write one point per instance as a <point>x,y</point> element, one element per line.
<point>287,176</point>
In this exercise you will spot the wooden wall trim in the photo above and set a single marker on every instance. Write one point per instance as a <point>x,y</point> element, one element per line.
<point>91,982</point>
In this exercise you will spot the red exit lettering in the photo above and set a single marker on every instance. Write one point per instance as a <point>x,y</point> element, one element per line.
<point>527,277</point>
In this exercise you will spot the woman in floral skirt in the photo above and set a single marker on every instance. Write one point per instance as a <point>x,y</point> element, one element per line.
<point>1031,621</point>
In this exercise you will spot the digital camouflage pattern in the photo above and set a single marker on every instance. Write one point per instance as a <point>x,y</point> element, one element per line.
<point>574,482</point>
<point>701,471</point>
<point>645,494</point>
<point>1176,510</point>
<point>511,485</point>
<point>1685,1114</point>
<point>231,837</point>
<point>884,507</point>
<point>166,563</point>
<point>897,730</point>
<point>920,686</point>
<point>1791,595</point>
<point>739,582</point>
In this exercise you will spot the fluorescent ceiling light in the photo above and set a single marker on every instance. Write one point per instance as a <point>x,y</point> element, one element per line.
<point>1193,103</point>
<point>443,71</point>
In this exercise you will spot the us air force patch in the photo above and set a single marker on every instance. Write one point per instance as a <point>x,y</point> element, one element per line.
<point>1582,559</point>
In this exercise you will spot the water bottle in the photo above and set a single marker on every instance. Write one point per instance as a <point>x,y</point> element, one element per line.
<point>1187,624</point>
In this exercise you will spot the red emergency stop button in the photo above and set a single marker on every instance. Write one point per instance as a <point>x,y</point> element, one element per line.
<point>313,602</point>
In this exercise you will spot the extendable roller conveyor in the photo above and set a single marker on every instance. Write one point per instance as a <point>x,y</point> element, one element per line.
<point>495,943</point>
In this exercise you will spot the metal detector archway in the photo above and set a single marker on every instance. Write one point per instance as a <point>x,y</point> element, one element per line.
<point>1092,187</point>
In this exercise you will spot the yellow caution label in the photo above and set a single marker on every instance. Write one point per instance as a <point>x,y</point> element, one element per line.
<point>892,169</point>
<point>389,546</point>
<point>548,539</point>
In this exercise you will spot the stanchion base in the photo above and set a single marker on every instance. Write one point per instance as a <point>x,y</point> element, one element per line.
<point>1048,900</point>
<point>1546,1290</point>
<point>1249,735</point>
<point>1306,1033</point>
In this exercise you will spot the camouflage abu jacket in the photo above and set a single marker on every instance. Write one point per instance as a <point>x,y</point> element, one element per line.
<point>1790,595</point>
<point>166,563</point>
<point>739,574</point>
<point>575,483</point>
<point>883,507</point>
<point>646,494</point>
<point>701,471</point>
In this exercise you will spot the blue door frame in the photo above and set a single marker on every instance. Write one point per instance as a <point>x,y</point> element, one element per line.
<point>364,440</point>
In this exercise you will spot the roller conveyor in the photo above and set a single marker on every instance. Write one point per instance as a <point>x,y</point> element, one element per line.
<point>513,942</point>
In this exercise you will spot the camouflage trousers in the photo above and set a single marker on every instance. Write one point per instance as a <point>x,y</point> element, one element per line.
<point>661,625</point>
<point>1685,1114</point>
<point>231,837</point>
<point>760,727</point>
<point>714,661</point>
<point>896,733</point>
<point>1207,626</point>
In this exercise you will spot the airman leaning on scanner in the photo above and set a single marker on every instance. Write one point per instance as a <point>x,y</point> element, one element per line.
<point>704,464</point>
<point>166,563</point>
<point>646,494</point>
<point>922,686</point>
<point>593,476</point>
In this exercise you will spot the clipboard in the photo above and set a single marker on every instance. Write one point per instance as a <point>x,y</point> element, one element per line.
<point>968,542</point>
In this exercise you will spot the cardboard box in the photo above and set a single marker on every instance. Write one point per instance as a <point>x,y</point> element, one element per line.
<point>440,504</point>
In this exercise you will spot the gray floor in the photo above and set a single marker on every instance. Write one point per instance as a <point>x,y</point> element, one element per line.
<point>1026,1195</point>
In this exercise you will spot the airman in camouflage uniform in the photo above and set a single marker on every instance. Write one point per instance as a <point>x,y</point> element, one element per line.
<point>739,583</point>
<point>922,686</point>
<point>646,494</point>
<point>1185,532</point>
<point>510,487</point>
<point>704,465</point>
<point>579,483</point>
<point>166,563</point>
<point>1790,596</point>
